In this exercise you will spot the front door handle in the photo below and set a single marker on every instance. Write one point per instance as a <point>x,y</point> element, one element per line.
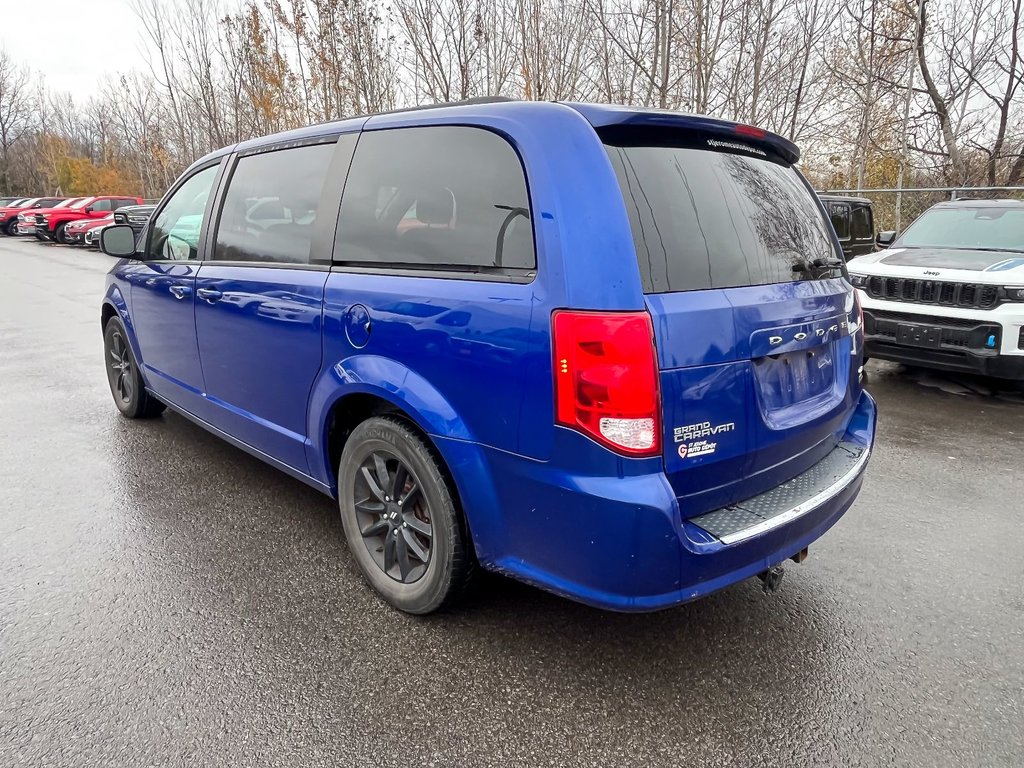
<point>180,291</point>
<point>209,294</point>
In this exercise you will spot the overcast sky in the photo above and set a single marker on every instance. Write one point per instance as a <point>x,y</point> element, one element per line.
<point>75,45</point>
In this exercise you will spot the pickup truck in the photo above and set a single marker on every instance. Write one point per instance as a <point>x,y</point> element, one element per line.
<point>27,218</point>
<point>50,224</point>
<point>9,215</point>
<point>136,216</point>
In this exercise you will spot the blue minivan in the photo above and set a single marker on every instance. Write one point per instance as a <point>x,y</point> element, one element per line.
<point>610,352</point>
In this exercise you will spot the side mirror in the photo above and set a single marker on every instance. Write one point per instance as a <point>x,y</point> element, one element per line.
<point>118,240</point>
<point>885,239</point>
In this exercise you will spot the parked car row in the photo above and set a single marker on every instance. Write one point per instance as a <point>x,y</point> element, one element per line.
<point>68,220</point>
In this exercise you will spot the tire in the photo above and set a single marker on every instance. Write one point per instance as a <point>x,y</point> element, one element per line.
<point>415,551</point>
<point>11,228</point>
<point>123,376</point>
<point>58,234</point>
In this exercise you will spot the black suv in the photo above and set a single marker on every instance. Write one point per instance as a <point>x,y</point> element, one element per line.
<point>853,222</point>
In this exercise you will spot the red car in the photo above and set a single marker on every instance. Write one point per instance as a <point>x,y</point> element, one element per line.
<point>9,215</point>
<point>50,224</point>
<point>75,232</point>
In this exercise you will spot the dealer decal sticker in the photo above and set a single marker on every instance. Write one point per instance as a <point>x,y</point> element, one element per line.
<point>697,448</point>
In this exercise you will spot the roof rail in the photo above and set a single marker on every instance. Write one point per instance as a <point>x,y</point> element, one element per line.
<point>442,104</point>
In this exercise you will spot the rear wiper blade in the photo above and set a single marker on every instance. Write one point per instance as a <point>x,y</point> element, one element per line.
<point>818,264</point>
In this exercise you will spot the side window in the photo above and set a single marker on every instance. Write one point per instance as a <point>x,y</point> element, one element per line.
<point>862,226</point>
<point>174,234</point>
<point>271,205</point>
<point>840,215</point>
<point>121,203</point>
<point>448,197</point>
<point>102,205</point>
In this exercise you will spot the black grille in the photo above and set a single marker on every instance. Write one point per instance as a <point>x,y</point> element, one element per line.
<point>953,332</point>
<point>909,317</point>
<point>39,219</point>
<point>933,292</point>
<point>1020,339</point>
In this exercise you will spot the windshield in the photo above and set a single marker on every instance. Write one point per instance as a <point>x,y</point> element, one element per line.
<point>83,202</point>
<point>65,203</point>
<point>706,219</point>
<point>993,228</point>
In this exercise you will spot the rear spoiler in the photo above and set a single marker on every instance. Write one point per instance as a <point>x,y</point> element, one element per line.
<point>623,121</point>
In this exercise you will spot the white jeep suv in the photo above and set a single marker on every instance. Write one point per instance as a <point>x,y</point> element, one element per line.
<point>949,292</point>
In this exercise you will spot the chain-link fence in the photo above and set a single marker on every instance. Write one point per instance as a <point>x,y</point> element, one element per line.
<point>896,209</point>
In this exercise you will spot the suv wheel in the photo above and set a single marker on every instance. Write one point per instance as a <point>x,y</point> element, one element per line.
<point>400,519</point>
<point>11,227</point>
<point>130,395</point>
<point>58,234</point>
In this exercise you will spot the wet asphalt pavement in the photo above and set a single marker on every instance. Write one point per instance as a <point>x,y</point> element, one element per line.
<point>165,599</point>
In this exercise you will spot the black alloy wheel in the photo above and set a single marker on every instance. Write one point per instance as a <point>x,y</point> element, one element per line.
<point>394,518</point>
<point>123,375</point>
<point>400,517</point>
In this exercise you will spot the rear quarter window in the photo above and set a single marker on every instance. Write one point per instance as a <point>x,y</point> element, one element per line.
<point>703,218</point>
<point>443,198</point>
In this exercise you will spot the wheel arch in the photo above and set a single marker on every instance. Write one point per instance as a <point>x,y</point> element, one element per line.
<point>115,305</point>
<point>366,385</point>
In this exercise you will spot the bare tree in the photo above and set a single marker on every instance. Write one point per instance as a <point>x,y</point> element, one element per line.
<point>17,104</point>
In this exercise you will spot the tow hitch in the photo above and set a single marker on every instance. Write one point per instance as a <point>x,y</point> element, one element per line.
<point>772,578</point>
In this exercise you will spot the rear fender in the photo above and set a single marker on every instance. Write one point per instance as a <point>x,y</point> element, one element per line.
<point>388,380</point>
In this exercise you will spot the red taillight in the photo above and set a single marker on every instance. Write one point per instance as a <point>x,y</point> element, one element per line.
<point>749,130</point>
<point>606,379</point>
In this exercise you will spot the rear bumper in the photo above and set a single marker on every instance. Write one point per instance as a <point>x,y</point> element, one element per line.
<point>621,543</point>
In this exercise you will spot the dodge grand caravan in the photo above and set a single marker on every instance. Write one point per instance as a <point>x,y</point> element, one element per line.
<point>612,353</point>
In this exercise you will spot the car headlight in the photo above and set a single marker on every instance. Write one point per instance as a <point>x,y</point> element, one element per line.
<point>858,281</point>
<point>1014,293</point>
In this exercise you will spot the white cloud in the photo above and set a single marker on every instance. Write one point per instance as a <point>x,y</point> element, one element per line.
<point>77,47</point>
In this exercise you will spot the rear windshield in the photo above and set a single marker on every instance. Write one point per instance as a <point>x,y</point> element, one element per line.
<point>708,219</point>
<point>987,228</point>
